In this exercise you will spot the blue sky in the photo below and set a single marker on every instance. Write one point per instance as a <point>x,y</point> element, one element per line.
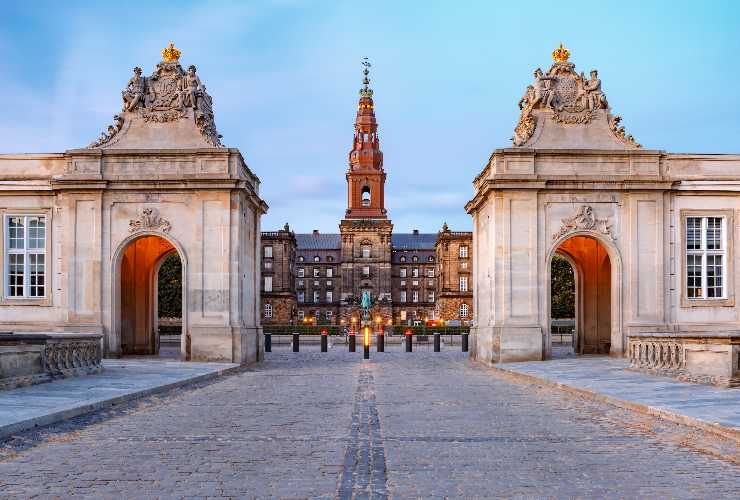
<point>284,76</point>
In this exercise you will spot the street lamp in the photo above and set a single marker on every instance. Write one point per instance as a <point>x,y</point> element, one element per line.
<point>366,334</point>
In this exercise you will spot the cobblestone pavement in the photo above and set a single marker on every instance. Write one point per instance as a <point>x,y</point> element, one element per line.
<point>403,425</point>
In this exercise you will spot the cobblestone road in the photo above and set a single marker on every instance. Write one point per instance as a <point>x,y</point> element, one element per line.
<point>400,426</point>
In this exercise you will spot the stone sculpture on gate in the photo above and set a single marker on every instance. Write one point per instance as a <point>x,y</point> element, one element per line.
<point>168,95</point>
<point>569,98</point>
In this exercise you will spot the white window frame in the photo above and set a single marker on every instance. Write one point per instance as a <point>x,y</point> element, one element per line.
<point>316,296</point>
<point>301,315</point>
<point>464,310</point>
<point>301,296</point>
<point>26,298</point>
<point>329,296</point>
<point>329,272</point>
<point>463,283</point>
<point>301,272</point>
<point>268,252</point>
<point>402,272</point>
<point>727,241</point>
<point>463,251</point>
<point>366,251</point>
<point>268,284</point>
<point>403,296</point>
<point>415,296</point>
<point>430,296</point>
<point>268,311</point>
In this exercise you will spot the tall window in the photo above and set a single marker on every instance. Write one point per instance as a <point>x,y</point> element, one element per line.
<point>463,252</point>
<point>415,295</point>
<point>365,271</point>
<point>430,297</point>
<point>329,272</point>
<point>403,295</point>
<point>430,272</point>
<point>268,252</point>
<point>315,295</point>
<point>403,272</point>
<point>301,272</point>
<point>365,251</point>
<point>25,256</point>
<point>268,264</point>
<point>403,315</point>
<point>329,296</point>
<point>301,296</point>
<point>706,257</point>
<point>268,311</point>
<point>464,310</point>
<point>415,272</point>
<point>268,283</point>
<point>365,195</point>
<point>301,315</point>
<point>316,272</point>
<point>463,283</point>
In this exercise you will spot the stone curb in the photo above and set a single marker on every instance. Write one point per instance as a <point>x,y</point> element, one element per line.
<point>720,430</point>
<point>52,418</point>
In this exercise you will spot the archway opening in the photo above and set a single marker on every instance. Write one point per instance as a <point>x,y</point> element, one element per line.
<point>591,326</point>
<point>141,263</point>
<point>562,307</point>
<point>365,196</point>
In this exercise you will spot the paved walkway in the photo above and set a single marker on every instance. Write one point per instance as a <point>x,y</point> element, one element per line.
<point>403,425</point>
<point>609,377</point>
<point>121,380</point>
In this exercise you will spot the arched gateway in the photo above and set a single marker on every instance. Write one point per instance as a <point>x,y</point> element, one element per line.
<point>157,181</point>
<point>649,234</point>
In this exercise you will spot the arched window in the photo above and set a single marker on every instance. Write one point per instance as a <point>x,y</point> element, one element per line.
<point>330,259</point>
<point>430,258</point>
<point>365,248</point>
<point>316,258</point>
<point>268,311</point>
<point>464,310</point>
<point>415,258</point>
<point>301,259</point>
<point>365,196</point>
<point>403,258</point>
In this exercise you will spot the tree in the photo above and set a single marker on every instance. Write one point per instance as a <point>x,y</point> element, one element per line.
<point>562,289</point>
<point>169,287</point>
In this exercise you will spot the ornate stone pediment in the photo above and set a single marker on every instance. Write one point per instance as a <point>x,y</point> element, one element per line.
<point>149,220</point>
<point>584,220</point>
<point>565,109</point>
<point>169,108</point>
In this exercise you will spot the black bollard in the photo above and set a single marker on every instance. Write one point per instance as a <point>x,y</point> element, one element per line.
<point>324,341</point>
<point>352,342</point>
<point>436,341</point>
<point>380,339</point>
<point>296,342</point>
<point>268,342</point>
<point>465,342</point>
<point>408,341</point>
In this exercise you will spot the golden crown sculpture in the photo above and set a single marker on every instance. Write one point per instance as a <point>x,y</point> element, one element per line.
<point>560,54</point>
<point>170,53</point>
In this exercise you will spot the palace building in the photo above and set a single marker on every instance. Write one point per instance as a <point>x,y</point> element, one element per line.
<point>650,236</point>
<point>83,232</point>
<point>413,277</point>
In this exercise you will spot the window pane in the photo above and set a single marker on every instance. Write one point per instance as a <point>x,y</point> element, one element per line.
<point>693,233</point>
<point>16,233</point>
<point>693,276</point>
<point>36,276</point>
<point>15,275</point>
<point>714,276</point>
<point>714,233</point>
<point>36,232</point>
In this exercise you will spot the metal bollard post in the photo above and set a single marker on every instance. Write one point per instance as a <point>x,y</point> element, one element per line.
<point>324,340</point>
<point>408,341</point>
<point>380,339</point>
<point>296,342</point>
<point>352,342</point>
<point>465,342</point>
<point>268,342</point>
<point>436,341</point>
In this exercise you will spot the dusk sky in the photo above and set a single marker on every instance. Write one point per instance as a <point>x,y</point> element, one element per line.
<point>284,77</point>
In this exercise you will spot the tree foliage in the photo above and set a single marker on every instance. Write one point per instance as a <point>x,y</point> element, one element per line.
<point>170,287</point>
<point>562,289</point>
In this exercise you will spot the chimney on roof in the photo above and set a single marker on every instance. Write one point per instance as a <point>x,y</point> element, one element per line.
<point>315,232</point>
<point>416,231</point>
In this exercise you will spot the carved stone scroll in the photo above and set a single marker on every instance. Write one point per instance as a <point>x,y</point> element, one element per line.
<point>584,220</point>
<point>149,220</point>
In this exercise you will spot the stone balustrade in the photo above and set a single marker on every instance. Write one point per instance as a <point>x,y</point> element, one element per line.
<point>707,358</point>
<point>32,358</point>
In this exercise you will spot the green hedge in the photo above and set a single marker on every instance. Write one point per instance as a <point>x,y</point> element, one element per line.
<point>562,289</point>
<point>170,287</point>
